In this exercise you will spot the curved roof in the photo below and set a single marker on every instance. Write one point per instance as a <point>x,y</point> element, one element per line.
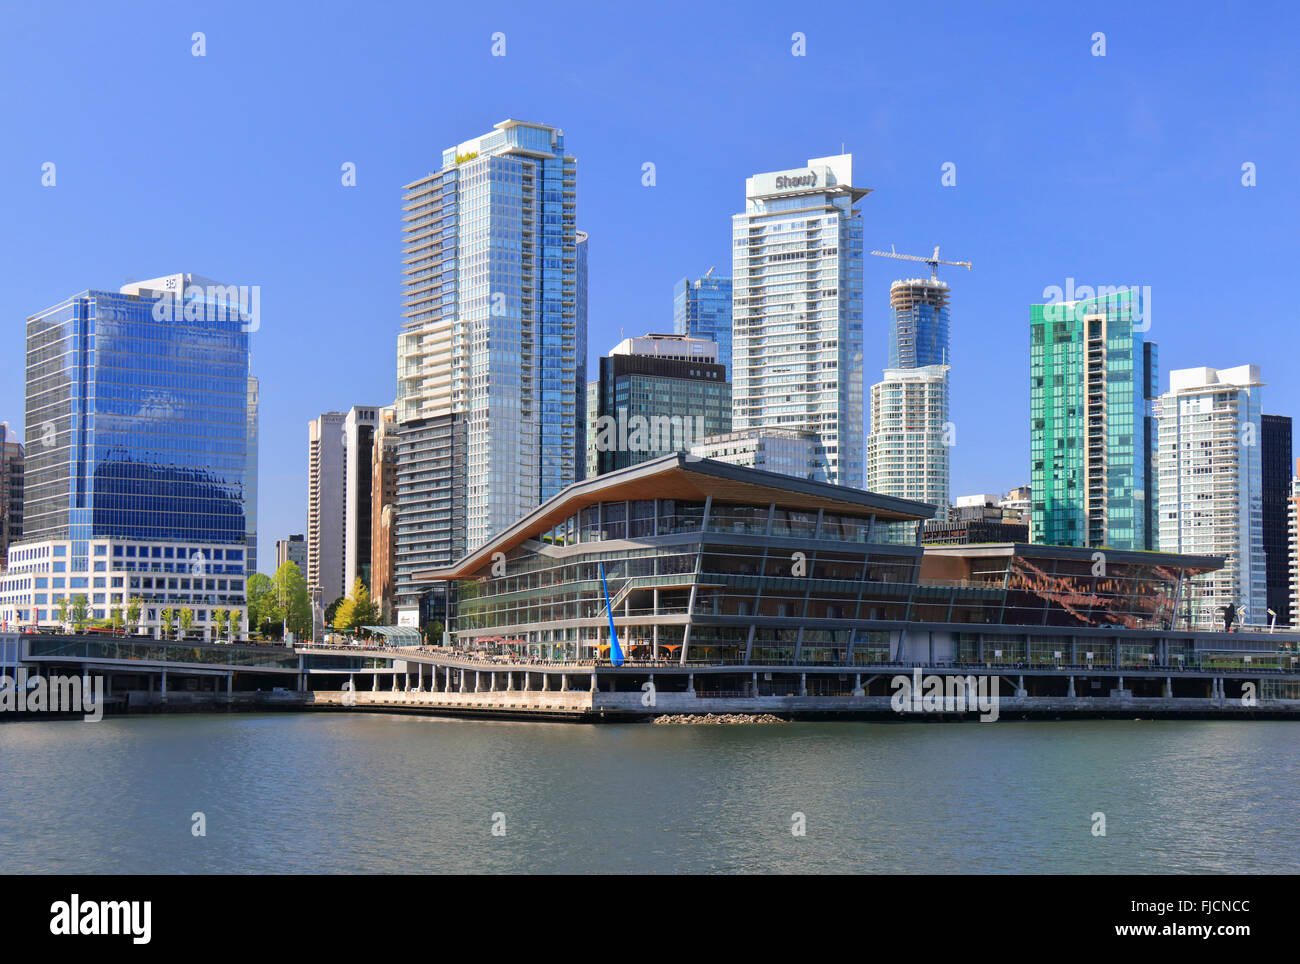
<point>682,476</point>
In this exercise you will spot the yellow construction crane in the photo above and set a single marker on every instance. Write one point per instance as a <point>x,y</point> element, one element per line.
<point>933,261</point>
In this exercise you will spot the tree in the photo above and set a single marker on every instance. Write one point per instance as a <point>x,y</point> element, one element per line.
<point>332,610</point>
<point>80,611</point>
<point>222,620</point>
<point>433,632</point>
<point>63,612</point>
<point>292,603</point>
<point>187,620</point>
<point>260,600</point>
<point>133,613</point>
<point>167,622</point>
<point>117,620</point>
<point>356,610</point>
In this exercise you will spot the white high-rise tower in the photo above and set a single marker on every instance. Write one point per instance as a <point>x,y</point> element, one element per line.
<point>797,309</point>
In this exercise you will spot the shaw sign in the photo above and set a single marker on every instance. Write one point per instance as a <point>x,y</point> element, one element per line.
<point>785,181</point>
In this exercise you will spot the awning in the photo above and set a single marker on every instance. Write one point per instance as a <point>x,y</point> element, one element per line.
<point>398,635</point>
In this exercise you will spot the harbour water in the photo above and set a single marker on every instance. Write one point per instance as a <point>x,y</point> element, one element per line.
<point>295,793</point>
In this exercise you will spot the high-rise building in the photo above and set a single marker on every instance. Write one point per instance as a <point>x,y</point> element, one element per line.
<point>383,512</point>
<point>1275,462</point>
<point>797,309</point>
<point>1293,543</point>
<point>292,549</point>
<point>11,488</point>
<point>593,413</point>
<point>250,485</point>
<point>1211,500</point>
<point>358,459</point>
<point>492,348</point>
<point>907,450</point>
<point>1092,381</point>
<point>325,507</point>
<point>137,483</point>
<point>702,309</point>
<point>919,335</point>
<point>659,394</point>
<point>339,474</point>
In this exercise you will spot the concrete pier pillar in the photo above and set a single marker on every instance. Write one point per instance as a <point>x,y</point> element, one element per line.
<point>594,687</point>
<point>857,685</point>
<point>1071,693</point>
<point>419,670</point>
<point>164,684</point>
<point>546,682</point>
<point>492,687</point>
<point>803,684</point>
<point>1020,686</point>
<point>564,682</point>
<point>510,681</point>
<point>394,682</point>
<point>690,684</point>
<point>753,685</point>
<point>478,682</point>
<point>462,680</point>
<point>408,683</point>
<point>374,682</point>
<point>1169,687</point>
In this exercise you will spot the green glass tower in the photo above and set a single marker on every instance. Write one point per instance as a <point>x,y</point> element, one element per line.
<point>1092,381</point>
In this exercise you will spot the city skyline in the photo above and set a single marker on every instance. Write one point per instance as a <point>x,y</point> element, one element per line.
<point>325,254</point>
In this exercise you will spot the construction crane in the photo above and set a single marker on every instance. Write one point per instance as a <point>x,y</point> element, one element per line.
<point>933,261</point>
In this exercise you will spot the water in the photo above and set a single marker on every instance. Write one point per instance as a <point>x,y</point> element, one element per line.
<point>288,793</point>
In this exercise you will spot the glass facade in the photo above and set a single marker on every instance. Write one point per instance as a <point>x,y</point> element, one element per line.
<point>797,309</point>
<point>495,323</point>
<point>1092,382</point>
<point>919,334</point>
<point>702,309</point>
<point>718,582</point>
<point>143,425</point>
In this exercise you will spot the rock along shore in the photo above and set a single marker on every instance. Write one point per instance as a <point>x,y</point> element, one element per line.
<point>718,718</point>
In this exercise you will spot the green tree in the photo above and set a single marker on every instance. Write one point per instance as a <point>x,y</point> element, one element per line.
<point>63,612</point>
<point>332,611</point>
<point>260,600</point>
<point>187,620</point>
<point>433,632</point>
<point>80,611</point>
<point>133,613</point>
<point>292,603</point>
<point>222,620</point>
<point>117,620</point>
<point>167,622</point>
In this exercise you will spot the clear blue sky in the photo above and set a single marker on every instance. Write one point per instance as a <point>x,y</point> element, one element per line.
<point>1123,169</point>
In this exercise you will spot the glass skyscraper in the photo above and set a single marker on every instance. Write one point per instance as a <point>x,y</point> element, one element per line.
<point>1093,380</point>
<point>919,334</point>
<point>493,345</point>
<point>797,309</point>
<point>702,309</point>
<point>142,420</point>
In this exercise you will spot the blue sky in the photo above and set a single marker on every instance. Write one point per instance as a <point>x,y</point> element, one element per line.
<point>1123,169</point>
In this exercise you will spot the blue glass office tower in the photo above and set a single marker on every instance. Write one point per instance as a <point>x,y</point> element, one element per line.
<point>141,417</point>
<point>492,352</point>
<point>702,309</point>
<point>919,335</point>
